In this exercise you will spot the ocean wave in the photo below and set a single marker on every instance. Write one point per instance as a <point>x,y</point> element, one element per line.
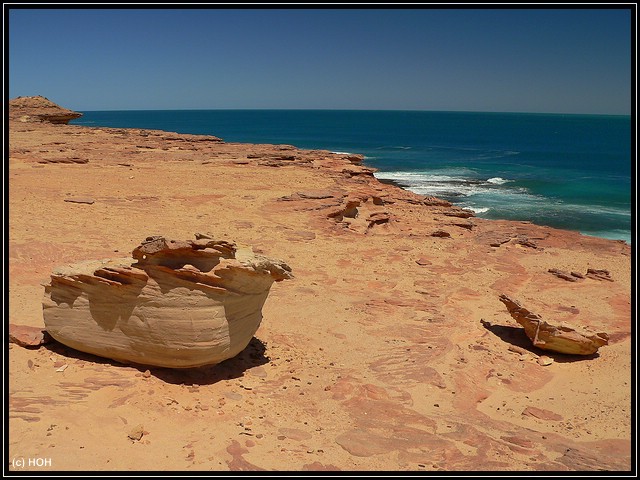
<point>419,177</point>
<point>498,180</point>
<point>493,154</point>
<point>446,184</point>
<point>392,147</point>
<point>477,210</point>
<point>497,197</point>
<point>474,153</point>
<point>598,210</point>
<point>491,198</point>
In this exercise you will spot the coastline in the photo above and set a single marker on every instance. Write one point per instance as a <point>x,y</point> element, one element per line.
<point>374,357</point>
<point>459,166</point>
<point>612,237</point>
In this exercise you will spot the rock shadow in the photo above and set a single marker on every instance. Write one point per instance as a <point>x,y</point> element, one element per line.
<point>252,356</point>
<point>516,336</point>
<point>71,353</point>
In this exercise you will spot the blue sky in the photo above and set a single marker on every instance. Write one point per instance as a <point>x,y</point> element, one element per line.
<point>575,60</point>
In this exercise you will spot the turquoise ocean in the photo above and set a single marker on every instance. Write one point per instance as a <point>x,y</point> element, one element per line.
<point>564,171</point>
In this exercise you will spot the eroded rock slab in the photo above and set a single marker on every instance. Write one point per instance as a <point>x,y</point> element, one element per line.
<point>599,274</point>
<point>87,200</point>
<point>27,336</point>
<point>174,304</point>
<point>560,338</point>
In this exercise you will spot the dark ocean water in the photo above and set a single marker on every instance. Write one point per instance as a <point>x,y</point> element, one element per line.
<point>565,171</point>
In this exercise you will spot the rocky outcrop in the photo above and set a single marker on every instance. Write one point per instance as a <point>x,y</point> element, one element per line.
<point>458,212</point>
<point>175,304</point>
<point>39,109</point>
<point>354,158</point>
<point>64,160</point>
<point>599,274</point>
<point>569,277</point>
<point>435,201</point>
<point>560,339</point>
<point>593,273</point>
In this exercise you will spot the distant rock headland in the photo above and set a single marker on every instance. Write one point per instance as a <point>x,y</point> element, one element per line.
<point>40,109</point>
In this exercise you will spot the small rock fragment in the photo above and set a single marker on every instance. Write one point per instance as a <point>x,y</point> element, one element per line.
<point>87,200</point>
<point>523,352</point>
<point>541,413</point>
<point>136,433</point>
<point>544,360</point>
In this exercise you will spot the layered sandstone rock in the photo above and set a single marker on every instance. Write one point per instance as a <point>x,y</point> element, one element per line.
<point>175,304</point>
<point>29,109</point>
<point>562,339</point>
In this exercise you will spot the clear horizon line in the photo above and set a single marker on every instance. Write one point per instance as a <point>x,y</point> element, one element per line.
<point>352,110</point>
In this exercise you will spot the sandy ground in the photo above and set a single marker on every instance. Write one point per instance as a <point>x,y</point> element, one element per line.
<point>373,358</point>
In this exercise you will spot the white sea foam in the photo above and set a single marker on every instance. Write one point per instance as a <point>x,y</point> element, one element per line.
<point>418,177</point>
<point>434,185</point>
<point>476,209</point>
<point>449,183</point>
<point>498,181</point>
<point>498,197</point>
<point>480,196</point>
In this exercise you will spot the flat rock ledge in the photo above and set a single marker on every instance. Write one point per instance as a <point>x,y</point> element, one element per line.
<point>175,304</point>
<point>561,338</point>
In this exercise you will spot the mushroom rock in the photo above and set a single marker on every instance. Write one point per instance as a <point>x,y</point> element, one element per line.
<point>560,339</point>
<point>175,304</point>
